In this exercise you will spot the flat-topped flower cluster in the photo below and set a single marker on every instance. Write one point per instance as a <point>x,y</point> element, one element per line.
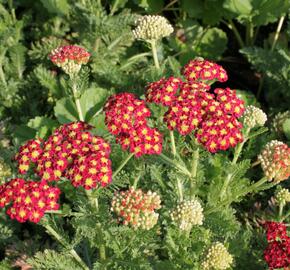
<point>212,116</point>
<point>126,118</point>
<point>71,152</point>
<point>30,200</point>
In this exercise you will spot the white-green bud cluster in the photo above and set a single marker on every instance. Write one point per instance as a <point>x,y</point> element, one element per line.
<point>283,196</point>
<point>187,214</point>
<point>254,117</point>
<point>151,27</point>
<point>217,258</point>
<point>5,171</point>
<point>275,161</point>
<point>279,120</point>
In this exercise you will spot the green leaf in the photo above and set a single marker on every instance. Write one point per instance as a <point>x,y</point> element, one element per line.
<point>286,128</point>
<point>247,96</point>
<point>239,7</point>
<point>43,125</point>
<point>151,6</point>
<point>92,100</point>
<point>59,7</point>
<point>65,110</point>
<point>212,44</point>
<point>23,133</point>
<point>194,8</point>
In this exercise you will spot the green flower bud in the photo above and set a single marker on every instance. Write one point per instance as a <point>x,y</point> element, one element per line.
<point>275,161</point>
<point>279,120</point>
<point>282,196</point>
<point>254,117</point>
<point>217,258</point>
<point>187,214</point>
<point>152,28</point>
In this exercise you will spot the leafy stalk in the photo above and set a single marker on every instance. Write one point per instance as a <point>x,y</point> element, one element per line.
<point>172,140</point>
<point>63,242</point>
<point>124,162</point>
<point>194,170</point>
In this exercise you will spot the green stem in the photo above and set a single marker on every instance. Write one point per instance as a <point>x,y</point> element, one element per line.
<point>180,189</point>
<point>242,193</point>
<point>281,206</point>
<point>237,153</point>
<point>63,242</point>
<point>232,26</point>
<point>154,53</point>
<point>2,76</point>
<point>175,164</point>
<point>277,33</point>
<point>124,162</point>
<point>194,171</point>
<point>77,102</point>
<point>249,33</point>
<point>172,140</point>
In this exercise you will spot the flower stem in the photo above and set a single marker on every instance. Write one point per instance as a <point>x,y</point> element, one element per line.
<point>194,171</point>
<point>77,102</point>
<point>175,164</point>
<point>281,206</point>
<point>172,140</point>
<point>124,162</point>
<point>180,189</point>
<point>241,193</point>
<point>232,26</point>
<point>237,153</point>
<point>154,53</point>
<point>63,242</point>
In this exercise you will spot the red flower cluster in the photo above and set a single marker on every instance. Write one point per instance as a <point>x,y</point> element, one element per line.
<point>30,199</point>
<point>163,91</point>
<point>200,69</point>
<point>192,107</point>
<point>69,53</point>
<point>126,118</point>
<point>277,254</point>
<point>72,152</point>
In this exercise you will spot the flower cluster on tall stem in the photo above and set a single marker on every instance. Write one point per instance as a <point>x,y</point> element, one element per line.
<point>71,152</point>
<point>212,116</point>
<point>126,118</point>
<point>28,200</point>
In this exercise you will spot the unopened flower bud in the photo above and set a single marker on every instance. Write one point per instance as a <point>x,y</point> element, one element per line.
<point>70,58</point>
<point>275,161</point>
<point>282,196</point>
<point>152,28</point>
<point>217,258</point>
<point>254,117</point>
<point>187,214</point>
<point>136,208</point>
<point>279,120</point>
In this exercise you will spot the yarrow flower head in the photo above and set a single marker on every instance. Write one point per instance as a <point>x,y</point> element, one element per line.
<point>136,208</point>
<point>254,117</point>
<point>70,58</point>
<point>204,70</point>
<point>71,152</point>
<point>217,258</point>
<point>275,161</point>
<point>282,196</point>
<point>192,108</point>
<point>277,252</point>
<point>187,214</point>
<point>126,118</point>
<point>279,121</point>
<point>152,27</point>
<point>28,200</point>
